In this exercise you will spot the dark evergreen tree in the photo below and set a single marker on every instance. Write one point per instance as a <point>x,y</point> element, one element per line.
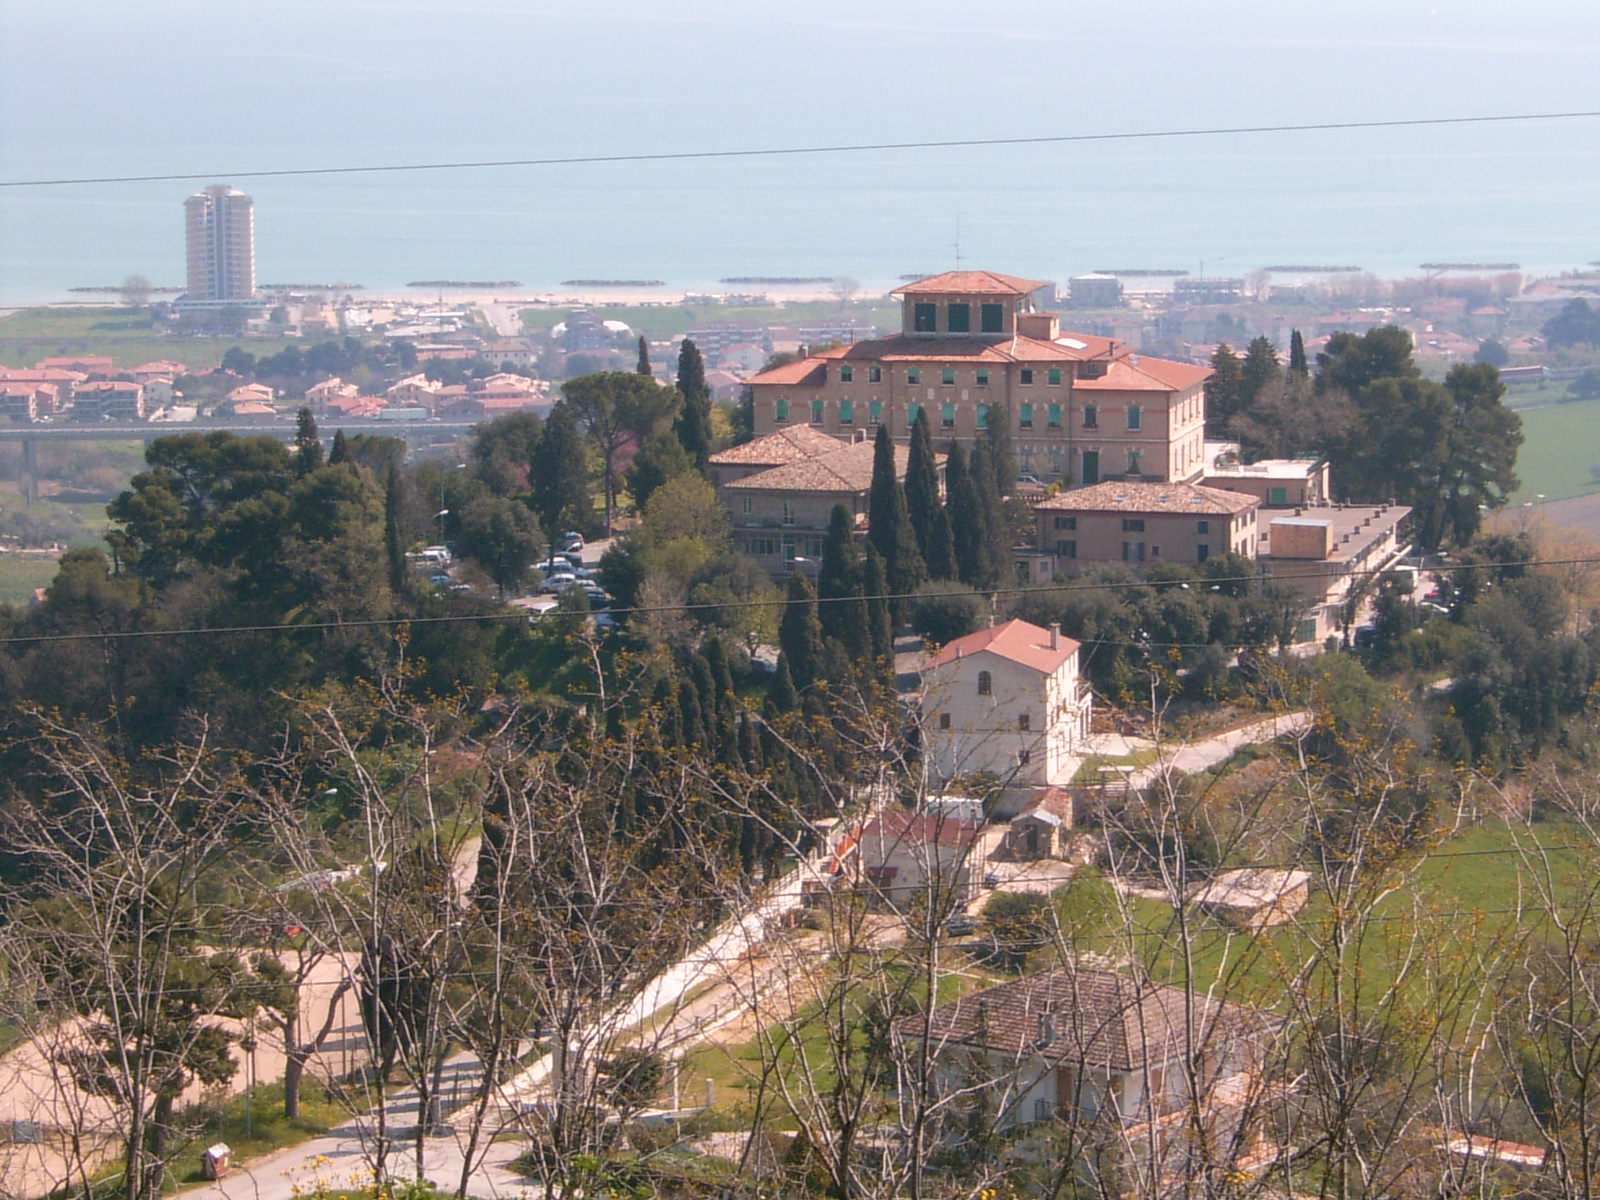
<point>991,509</point>
<point>307,443</point>
<point>1002,452</point>
<point>644,357</point>
<point>889,525</point>
<point>782,698</point>
<point>973,551</point>
<point>799,634</point>
<point>744,417</point>
<point>340,451</point>
<point>705,690</point>
<point>880,623</point>
<point>661,458</point>
<point>559,475</point>
<point>839,610</point>
<point>750,745</point>
<point>693,425</point>
<point>1298,365</point>
<point>727,701</point>
<point>1260,372</point>
<point>927,512</point>
<point>1224,390</point>
<point>393,545</point>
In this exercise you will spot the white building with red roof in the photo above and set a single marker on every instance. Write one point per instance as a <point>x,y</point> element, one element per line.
<point>972,349</point>
<point>1006,700</point>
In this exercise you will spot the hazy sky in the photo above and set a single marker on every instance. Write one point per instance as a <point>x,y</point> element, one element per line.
<point>108,86</point>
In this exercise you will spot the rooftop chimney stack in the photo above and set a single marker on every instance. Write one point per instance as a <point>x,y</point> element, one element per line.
<point>1055,637</point>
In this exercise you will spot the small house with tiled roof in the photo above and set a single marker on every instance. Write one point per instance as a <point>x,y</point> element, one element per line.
<point>972,349</point>
<point>1144,523</point>
<point>903,854</point>
<point>1089,1045</point>
<point>1043,829</point>
<point>1008,701</point>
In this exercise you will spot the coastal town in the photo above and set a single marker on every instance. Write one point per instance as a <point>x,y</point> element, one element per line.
<point>1114,737</point>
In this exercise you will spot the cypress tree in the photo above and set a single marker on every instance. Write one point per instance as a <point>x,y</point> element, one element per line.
<point>693,425</point>
<point>1001,450</point>
<point>644,358</point>
<point>991,510</point>
<point>880,625</point>
<point>1297,356</point>
<point>889,525</point>
<point>392,546</point>
<point>559,474</point>
<point>694,723</point>
<point>750,745</point>
<point>1260,371</point>
<point>839,582</point>
<point>307,443</point>
<point>967,522</point>
<point>781,696</point>
<point>722,682</point>
<point>705,689</point>
<point>340,452</point>
<point>929,519</point>
<point>799,634</point>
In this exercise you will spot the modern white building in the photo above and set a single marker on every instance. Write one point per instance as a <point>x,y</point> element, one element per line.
<point>1006,700</point>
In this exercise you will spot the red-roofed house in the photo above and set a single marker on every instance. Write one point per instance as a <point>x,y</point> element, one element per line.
<point>1006,700</point>
<point>971,349</point>
<point>903,854</point>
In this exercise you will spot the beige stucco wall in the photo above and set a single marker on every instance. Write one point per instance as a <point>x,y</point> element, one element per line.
<point>984,732</point>
<point>1100,537</point>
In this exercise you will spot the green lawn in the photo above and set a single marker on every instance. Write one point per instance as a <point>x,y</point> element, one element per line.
<point>127,336</point>
<point>1560,446</point>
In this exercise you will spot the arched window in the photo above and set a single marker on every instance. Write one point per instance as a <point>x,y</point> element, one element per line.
<point>985,684</point>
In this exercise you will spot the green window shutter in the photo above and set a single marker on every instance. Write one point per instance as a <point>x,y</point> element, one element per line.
<point>1055,416</point>
<point>783,409</point>
<point>947,415</point>
<point>924,318</point>
<point>1091,416</point>
<point>948,375</point>
<point>1135,417</point>
<point>875,412</point>
<point>1054,376</point>
<point>913,410</point>
<point>816,412</point>
<point>958,318</point>
<point>983,376</point>
<point>914,375</point>
<point>847,412</point>
<point>1277,495</point>
<point>1025,376</point>
<point>1025,414</point>
<point>992,317</point>
<point>983,416</point>
<point>847,373</point>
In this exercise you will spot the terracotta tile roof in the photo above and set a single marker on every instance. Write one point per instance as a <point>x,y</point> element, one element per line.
<point>1148,498</point>
<point>972,283</point>
<point>807,370</point>
<point>1080,1016</point>
<point>775,449</point>
<point>898,826</point>
<point>40,375</point>
<point>1137,373</point>
<point>1017,640</point>
<point>847,469</point>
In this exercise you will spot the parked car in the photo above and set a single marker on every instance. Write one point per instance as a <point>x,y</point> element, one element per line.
<point>961,925</point>
<point>572,541</point>
<point>557,582</point>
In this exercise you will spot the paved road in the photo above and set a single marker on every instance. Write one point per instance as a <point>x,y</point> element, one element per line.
<point>505,318</point>
<point>1203,755</point>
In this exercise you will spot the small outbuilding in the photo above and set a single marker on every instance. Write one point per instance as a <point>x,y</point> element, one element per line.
<point>1043,829</point>
<point>216,1160</point>
<point>1255,898</point>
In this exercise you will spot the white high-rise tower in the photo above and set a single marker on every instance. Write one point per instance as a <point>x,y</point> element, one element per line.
<point>219,226</point>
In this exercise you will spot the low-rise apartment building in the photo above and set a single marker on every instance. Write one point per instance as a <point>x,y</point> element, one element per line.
<point>1330,556</point>
<point>108,400</point>
<point>780,513</point>
<point>1140,523</point>
<point>1277,482</point>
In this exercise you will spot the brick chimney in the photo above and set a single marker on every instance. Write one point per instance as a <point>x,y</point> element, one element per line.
<point>1055,637</point>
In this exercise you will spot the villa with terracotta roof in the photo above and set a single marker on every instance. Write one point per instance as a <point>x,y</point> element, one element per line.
<point>780,492</point>
<point>1008,701</point>
<point>973,348</point>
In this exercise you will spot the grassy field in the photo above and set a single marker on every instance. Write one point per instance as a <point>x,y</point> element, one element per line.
<point>129,337</point>
<point>669,320</point>
<point>1560,448</point>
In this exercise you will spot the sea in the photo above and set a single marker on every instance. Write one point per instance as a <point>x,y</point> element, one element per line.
<point>226,93</point>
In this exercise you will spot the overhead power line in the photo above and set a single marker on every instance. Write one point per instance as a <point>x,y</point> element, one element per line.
<point>802,151</point>
<point>776,602</point>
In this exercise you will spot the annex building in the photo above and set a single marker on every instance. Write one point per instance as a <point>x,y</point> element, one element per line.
<point>973,347</point>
